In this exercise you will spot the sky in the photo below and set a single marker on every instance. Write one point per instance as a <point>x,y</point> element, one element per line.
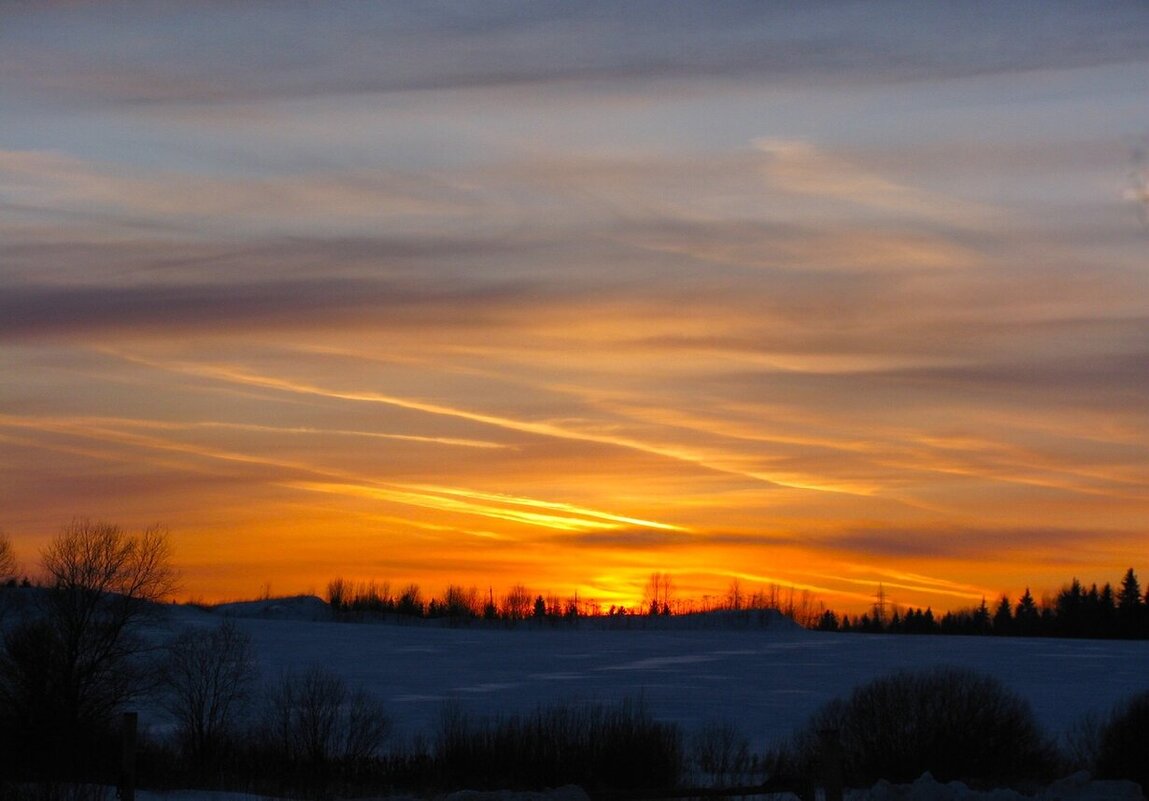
<point>825,295</point>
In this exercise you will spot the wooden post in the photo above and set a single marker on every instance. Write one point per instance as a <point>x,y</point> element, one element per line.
<point>831,764</point>
<point>126,787</point>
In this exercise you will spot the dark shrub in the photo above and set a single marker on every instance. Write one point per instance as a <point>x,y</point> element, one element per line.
<point>721,756</point>
<point>1123,751</point>
<point>617,747</point>
<point>314,719</point>
<point>952,722</point>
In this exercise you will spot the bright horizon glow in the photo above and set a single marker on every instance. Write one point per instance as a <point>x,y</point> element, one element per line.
<point>822,296</point>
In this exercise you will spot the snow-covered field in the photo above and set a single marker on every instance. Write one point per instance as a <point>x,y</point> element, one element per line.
<point>765,680</point>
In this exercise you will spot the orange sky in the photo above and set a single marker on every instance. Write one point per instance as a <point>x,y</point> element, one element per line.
<point>539,295</point>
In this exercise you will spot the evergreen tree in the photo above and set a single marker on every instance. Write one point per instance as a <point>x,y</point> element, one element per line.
<point>1070,610</point>
<point>1002,618</point>
<point>1129,598</point>
<point>1026,617</point>
<point>1130,607</point>
<point>981,619</point>
<point>1105,623</point>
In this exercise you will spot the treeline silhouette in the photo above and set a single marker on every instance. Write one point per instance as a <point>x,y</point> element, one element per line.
<point>1101,613</point>
<point>351,600</point>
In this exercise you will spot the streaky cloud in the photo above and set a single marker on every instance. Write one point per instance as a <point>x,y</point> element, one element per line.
<point>546,429</point>
<point>45,311</point>
<point>368,49</point>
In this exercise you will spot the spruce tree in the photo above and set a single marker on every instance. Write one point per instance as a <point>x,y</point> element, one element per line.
<point>1130,607</point>
<point>1026,617</point>
<point>1002,619</point>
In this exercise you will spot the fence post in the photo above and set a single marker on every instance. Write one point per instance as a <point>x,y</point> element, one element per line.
<point>830,757</point>
<point>126,787</point>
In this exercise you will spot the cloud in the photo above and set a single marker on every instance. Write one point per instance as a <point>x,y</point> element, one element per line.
<point>28,311</point>
<point>643,539</point>
<point>798,167</point>
<point>164,53</point>
<point>948,541</point>
<point>197,206</point>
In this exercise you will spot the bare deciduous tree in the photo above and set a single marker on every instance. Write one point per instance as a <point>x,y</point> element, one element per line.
<point>517,603</point>
<point>657,593</point>
<point>66,671</point>
<point>7,559</point>
<point>734,595</point>
<point>208,677</point>
<point>103,582</point>
<point>314,718</point>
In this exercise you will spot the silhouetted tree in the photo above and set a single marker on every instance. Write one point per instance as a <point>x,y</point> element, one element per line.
<point>490,610</point>
<point>1130,607</point>
<point>734,596</point>
<point>460,603</point>
<point>1104,622</point>
<point>571,610</point>
<point>1070,610</point>
<point>338,594</point>
<point>208,677</point>
<point>410,601</point>
<point>7,559</point>
<point>67,668</point>
<point>1027,619</point>
<point>982,623</point>
<point>1002,618</point>
<point>313,718</point>
<point>657,593</point>
<point>517,603</point>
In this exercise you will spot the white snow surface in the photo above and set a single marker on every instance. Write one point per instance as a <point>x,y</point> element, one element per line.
<point>765,676</point>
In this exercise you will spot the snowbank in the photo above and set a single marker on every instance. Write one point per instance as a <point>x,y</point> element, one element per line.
<point>297,607</point>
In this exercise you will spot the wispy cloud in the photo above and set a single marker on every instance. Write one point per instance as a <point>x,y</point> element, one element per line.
<point>717,461</point>
<point>560,517</point>
<point>516,509</point>
<point>797,166</point>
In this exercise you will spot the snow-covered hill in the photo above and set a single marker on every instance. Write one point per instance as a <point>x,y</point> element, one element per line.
<point>764,676</point>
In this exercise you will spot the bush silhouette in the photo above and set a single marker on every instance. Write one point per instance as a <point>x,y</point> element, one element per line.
<point>955,723</point>
<point>314,719</point>
<point>1123,751</point>
<point>620,747</point>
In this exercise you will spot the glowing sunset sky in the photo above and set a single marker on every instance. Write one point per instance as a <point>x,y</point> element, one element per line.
<point>823,294</point>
